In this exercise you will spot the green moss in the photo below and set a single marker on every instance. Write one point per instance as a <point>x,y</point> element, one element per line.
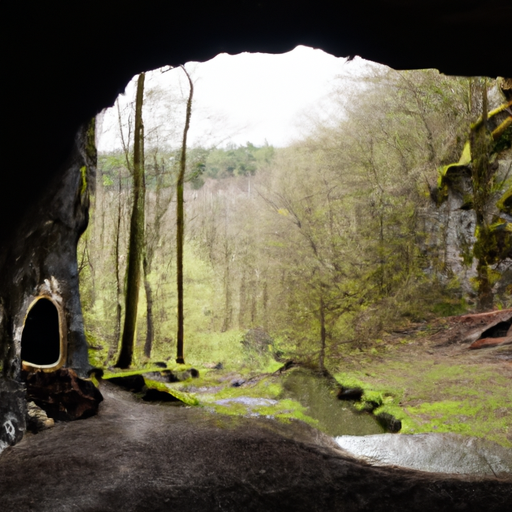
<point>186,398</point>
<point>141,371</point>
<point>90,142</point>
<point>491,114</point>
<point>502,136</point>
<point>83,173</point>
<point>91,154</point>
<point>505,202</point>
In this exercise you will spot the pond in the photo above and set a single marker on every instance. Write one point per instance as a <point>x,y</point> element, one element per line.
<point>335,417</point>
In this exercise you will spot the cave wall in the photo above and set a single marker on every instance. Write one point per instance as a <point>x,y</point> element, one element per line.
<point>42,263</point>
<point>63,63</point>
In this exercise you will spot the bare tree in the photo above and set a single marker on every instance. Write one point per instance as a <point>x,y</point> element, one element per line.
<point>136,242</point>
<point>180,223</point>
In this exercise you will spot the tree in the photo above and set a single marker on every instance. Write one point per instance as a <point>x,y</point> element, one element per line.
<point>136,240</point>
<point>159,196</point>
<point>180,223</point>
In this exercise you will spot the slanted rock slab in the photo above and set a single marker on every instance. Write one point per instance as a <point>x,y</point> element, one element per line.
<point>63,395</point>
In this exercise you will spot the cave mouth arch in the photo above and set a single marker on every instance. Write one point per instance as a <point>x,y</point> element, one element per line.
<point>42,340</point>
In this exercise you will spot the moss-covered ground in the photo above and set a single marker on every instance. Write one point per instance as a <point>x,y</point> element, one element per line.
<point>436,389</point>
<point>428,385</point>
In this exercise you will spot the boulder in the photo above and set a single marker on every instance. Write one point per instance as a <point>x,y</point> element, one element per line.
<point>133,383</point>
<point>63,395</point>
<point>12,412</point>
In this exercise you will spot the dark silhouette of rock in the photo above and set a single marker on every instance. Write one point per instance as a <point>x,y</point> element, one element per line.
<point>63,395</point>
<point>133,383</point>
<point>389,422</point>
<point>350,393</point>
<point>155,395</point>
<point>97,373</point>
<point>13,407</point>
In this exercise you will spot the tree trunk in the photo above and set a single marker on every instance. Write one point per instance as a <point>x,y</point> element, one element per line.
<point>323,336</point>
<point>148,345</point>
<point>227,298</point>
<point>119,308</point>
<point>180,226</point>
<point>265,305</point>
<point>480,140</point>
<point>136,236</point>
<point>242,301</point>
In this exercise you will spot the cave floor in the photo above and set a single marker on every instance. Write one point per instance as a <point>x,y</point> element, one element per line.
<point>135,456</point>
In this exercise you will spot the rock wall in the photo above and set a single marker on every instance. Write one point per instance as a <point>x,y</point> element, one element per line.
<point>42,263</point>
<point>452,222</point>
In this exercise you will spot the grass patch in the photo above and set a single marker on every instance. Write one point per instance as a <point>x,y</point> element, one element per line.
<point>430,397</point>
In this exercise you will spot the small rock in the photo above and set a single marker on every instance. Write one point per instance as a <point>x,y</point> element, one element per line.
<point>191,373</point>
<point>214,366</point>
<point>389,422</point>
<point>236,383</point>
<point>163,376</point>
<point>37,419</point>
<point>350,393</point>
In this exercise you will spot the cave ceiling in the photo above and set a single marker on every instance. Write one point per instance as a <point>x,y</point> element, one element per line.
<point>64,63</point>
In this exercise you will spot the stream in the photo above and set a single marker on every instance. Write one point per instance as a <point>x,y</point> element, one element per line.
<point>361,436</point>
<point>335,417</point>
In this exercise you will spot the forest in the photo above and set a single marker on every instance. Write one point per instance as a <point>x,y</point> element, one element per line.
<point>374,221</point>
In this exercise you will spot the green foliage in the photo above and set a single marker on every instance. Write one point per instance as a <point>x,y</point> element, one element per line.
<point>237,161</point>
<point>324,246</point>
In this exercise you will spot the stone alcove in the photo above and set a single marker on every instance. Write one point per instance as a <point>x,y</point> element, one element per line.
<point>43,344</point>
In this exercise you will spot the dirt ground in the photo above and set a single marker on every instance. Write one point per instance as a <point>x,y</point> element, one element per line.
<point>135,456</point>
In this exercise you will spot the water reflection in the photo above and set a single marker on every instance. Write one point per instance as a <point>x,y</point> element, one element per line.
<point>335,417</point>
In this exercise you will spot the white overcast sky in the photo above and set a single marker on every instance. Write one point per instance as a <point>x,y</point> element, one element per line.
<point>249,97</point>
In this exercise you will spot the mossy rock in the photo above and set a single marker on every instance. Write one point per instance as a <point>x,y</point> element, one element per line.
<point>505,202</point>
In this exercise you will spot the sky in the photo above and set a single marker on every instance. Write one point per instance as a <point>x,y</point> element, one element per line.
<point>249,97</point>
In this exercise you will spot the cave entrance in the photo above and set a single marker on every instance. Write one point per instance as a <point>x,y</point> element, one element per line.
<point>42,344</point>
<point>500,330</point>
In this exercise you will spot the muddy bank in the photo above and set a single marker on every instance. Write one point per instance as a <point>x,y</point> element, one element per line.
<point>141,457</point>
